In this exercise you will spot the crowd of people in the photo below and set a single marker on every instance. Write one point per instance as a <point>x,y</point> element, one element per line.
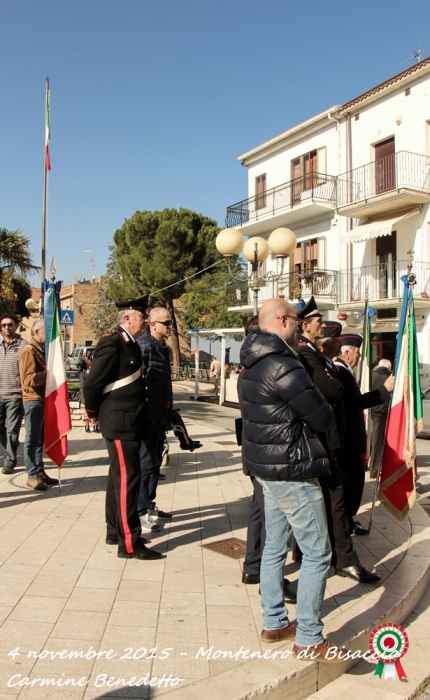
<point>302,432</point>
<point>303,440</point>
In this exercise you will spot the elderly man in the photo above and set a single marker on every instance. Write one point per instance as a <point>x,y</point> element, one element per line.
<point>379,414</point>
<point>354,444</point>
<point>282,411</point>
<point>115,397</point>
<point>155,357</point>
<point>215,373</point>
<point>32,369</point>
<point>327,379</point>
<point>11,410</point>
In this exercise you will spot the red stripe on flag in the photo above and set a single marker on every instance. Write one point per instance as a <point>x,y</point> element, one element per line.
<point>123,497</point>
<point>57,423</point>
<point>47,159</point>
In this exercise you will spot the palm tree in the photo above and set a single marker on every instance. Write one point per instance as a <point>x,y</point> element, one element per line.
<point>14,253</point>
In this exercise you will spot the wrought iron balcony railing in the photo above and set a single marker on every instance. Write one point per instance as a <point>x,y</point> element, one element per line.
<point>399,170</point>
<point>314,186</point>
<point>293,285</point>
<point>382,281</point>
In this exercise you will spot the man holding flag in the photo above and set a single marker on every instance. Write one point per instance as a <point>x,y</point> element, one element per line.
<point>354,444</point>
<point>405,419</point>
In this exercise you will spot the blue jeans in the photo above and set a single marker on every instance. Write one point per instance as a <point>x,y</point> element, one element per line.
<point>10,422</point>
<point>296,506</point>
<point>151,450</point>
<point>33,445</point>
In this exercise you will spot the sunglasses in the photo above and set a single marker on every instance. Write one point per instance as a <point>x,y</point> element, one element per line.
<point>165,323</point>
<point>7,325</point>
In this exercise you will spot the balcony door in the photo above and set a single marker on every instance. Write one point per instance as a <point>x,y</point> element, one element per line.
<point>385,166</point>
<point>386,252</point>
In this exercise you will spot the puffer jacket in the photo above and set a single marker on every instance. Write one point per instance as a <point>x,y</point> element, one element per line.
<point>281,410</point>
<point>158,381</point>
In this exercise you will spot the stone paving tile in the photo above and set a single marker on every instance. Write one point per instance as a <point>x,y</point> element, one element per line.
<point>132,614</point>
<point>91,600</point>
<point>35,609</point>
<point>98,578</point>
<point>80,625</point>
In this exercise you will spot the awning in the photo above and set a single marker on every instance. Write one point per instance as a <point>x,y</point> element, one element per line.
<point>381,226</point>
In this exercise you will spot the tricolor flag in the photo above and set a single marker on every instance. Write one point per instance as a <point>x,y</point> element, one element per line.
<point>57,409</point>
<point>366,370</point>
<point>405,419</point>
<point>47,131</point>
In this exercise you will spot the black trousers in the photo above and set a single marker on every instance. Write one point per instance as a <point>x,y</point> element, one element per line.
<point>378,434</point>
<point>122,493</point>
<point>256,533</point>
<point>353,477</point>
<point>343,553</point>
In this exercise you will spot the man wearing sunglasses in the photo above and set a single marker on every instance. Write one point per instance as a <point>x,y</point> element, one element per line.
<point>11,410</point>
<point>155,357</point>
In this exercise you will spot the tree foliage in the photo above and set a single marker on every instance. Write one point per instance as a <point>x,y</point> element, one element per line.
<point>161,248</point>
<point>15,292</point>
<point>206,302</point>
<point>14,254</point>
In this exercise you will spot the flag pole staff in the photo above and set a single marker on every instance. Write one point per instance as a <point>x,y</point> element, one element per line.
<point>45,183</point>
<point>378,478</point>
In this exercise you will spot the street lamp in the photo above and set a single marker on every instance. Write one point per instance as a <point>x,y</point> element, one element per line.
<point>282,242</point>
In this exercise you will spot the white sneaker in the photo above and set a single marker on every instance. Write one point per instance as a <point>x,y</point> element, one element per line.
<point>148,523</point>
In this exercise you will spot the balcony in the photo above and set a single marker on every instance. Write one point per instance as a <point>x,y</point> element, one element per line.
<point>382,283</point>
<point>294,285</point>
<point>303,198</point>
<point>388,184</point>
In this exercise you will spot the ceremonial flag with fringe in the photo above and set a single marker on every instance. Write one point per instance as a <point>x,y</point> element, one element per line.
<point>405,418</point>
<point>57,409</point>
<point>47,132</point>
<point>366,372</point>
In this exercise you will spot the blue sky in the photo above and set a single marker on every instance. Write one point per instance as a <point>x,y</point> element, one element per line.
<point>152,102</point>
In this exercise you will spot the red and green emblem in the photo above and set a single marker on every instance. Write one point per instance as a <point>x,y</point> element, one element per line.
<point>389,643</point>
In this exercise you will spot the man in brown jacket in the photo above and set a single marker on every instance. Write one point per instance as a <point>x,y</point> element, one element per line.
<point>32,370</point>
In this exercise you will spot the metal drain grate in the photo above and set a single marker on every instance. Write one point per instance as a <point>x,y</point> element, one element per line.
<point>233,547</point>
<point>225,442</point>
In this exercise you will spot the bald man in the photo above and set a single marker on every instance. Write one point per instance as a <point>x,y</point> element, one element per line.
<point>282,411</point>
<point>155,356</point>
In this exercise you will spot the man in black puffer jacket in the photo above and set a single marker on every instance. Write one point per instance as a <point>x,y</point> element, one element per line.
<point>282,410</point>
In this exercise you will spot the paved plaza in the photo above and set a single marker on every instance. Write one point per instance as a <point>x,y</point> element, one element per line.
<point>64,590</point>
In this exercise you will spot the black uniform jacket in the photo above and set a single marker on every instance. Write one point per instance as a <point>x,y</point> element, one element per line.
<point>355,403</point>
<point>281,411</point>
<point>121,412</point>
<point>325,380</point>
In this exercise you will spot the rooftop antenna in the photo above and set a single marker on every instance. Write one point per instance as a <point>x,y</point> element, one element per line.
<point>417,55</point>
<point>92,262</point>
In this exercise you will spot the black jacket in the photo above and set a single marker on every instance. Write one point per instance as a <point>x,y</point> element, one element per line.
<point>379,377</point>
<point>121,412</point>
<point>355,403</point>
<point>157,377</point>
<point>327,380</point>
<point>281,411</point>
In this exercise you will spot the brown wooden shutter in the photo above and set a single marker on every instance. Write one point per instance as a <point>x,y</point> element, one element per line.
<point>260,191</point>
<point>385,167</point>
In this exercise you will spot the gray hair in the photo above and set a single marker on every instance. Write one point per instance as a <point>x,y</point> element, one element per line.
<point>125,312</point>
<point>36,326</point>
<point>344,348</point>
<point>385,363</point>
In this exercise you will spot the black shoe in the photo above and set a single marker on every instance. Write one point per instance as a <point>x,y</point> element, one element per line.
<point>7,470</point>
<point>161,476</point>
<point>250,578</point>
<point>358,573</point>
<point>359,531</point>
<point>195,444</point>
<point>142,553</point>
<point>290,596</point>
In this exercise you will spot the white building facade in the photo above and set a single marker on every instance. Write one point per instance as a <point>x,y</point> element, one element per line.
<point>353,183</point>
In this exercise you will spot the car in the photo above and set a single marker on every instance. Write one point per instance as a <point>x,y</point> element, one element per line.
<point>79,355</point>
<point>425,432</point>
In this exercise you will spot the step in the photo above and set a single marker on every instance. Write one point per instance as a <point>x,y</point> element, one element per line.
<point>392,601</point>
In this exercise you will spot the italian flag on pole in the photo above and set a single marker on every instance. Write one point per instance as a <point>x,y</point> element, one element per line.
<point>405,419</point>
<point>57,409</point>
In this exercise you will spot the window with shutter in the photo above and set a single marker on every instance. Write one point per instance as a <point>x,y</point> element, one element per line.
<point>260,191</point>
<point>385,166</point>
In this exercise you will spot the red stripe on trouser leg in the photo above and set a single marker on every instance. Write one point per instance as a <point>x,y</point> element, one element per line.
<point>123,497</point>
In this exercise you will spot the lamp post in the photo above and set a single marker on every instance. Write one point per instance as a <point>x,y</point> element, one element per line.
<point>230,243</point>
